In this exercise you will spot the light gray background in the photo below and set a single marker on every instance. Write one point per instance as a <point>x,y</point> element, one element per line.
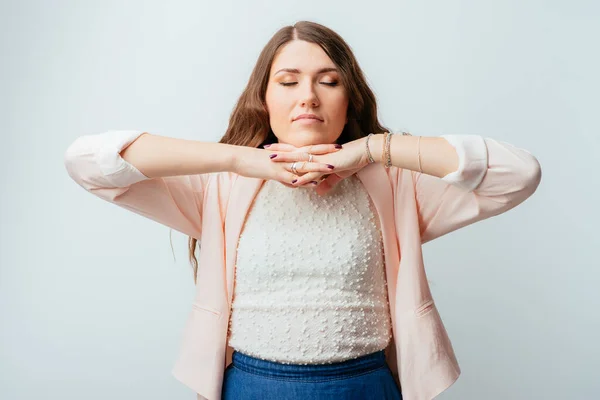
<point>92,300</point>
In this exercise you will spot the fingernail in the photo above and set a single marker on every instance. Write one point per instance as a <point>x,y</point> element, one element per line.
<point>272,156</point>
<point>338,146</point>
<point>295,180</point>
<point>266,145</point>
<point>314,182</point>
<point>330,166</point>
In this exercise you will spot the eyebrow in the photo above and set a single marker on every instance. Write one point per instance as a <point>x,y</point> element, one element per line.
<point>297,71</point>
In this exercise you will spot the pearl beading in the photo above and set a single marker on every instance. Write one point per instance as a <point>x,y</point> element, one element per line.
<point>310,283</point>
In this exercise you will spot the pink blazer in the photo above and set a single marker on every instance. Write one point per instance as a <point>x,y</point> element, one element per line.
<point>413,208</point>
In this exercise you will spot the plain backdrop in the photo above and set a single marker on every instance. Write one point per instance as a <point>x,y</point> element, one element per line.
<point>93,300</point>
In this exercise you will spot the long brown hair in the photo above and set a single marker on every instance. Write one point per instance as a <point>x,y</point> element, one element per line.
<point>249,120</point>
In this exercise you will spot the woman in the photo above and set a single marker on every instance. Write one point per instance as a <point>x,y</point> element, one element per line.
<point>330,297</point>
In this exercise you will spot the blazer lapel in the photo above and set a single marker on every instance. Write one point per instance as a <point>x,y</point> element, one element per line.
<point>375,179</point>
<point>242,195</point>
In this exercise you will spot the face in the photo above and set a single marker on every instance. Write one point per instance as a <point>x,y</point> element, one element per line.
<point>304,80</point>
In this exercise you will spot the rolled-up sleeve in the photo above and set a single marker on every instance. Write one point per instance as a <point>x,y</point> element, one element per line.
<point>492,177</point>
<point>94,162</point>
<point>472,161</point>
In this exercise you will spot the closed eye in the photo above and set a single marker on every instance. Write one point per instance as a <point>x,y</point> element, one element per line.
<point>294,83</point>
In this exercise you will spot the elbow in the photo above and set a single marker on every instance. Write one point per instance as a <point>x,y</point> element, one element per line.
<point>521,179</point>
<point>526,182</point>
<point>513,175</point>
<point>532,175</point>
<point>80,160</point>
<point>72,160</point>
<point>71,154</point>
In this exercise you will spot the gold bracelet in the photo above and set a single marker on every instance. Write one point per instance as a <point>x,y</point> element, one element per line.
<point>383,147</point>
<point>369,156</point>
<point>388,156</point>
<point>418,150</point>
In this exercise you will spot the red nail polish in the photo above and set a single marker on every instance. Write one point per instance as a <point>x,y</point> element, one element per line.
<point>330,166</point>
<point>338,146</point>
<point>272,156</point>
<point>295,180</point>
<point>266,145</point>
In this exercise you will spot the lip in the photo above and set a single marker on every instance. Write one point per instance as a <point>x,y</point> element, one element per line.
<point>307,116</point>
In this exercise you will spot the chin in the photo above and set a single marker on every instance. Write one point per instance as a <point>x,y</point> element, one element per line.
<point>307,138</point>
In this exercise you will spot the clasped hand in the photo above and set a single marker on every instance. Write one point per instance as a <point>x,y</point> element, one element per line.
<point>345,161</point>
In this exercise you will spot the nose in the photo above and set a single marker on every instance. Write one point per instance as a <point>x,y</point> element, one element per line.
<point>309,96</point>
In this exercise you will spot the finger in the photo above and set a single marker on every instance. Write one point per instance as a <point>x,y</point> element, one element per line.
<point>289,156</point>
<point>317,149</point>
<point>333,179</point>
<point>305,167</point>
<point>280,147</point>
<point>323,187</point>
<point>288,185</point>
<point>327,184</point>
<point>311,178</point>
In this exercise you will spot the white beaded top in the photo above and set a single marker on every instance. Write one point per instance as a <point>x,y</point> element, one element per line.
<point>310,283</point>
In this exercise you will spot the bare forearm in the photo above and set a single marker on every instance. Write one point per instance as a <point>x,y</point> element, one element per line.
<point>438,157</point>
<point>159,156</point>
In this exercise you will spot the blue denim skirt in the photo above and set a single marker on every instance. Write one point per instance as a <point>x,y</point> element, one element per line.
<point>363,378</point>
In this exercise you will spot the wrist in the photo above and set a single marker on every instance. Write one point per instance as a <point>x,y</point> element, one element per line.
<point>233,158</point>
<point>376,147</point>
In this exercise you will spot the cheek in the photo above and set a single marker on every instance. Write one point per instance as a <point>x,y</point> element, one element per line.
<point>275,106</point>
<point>340,107</point>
